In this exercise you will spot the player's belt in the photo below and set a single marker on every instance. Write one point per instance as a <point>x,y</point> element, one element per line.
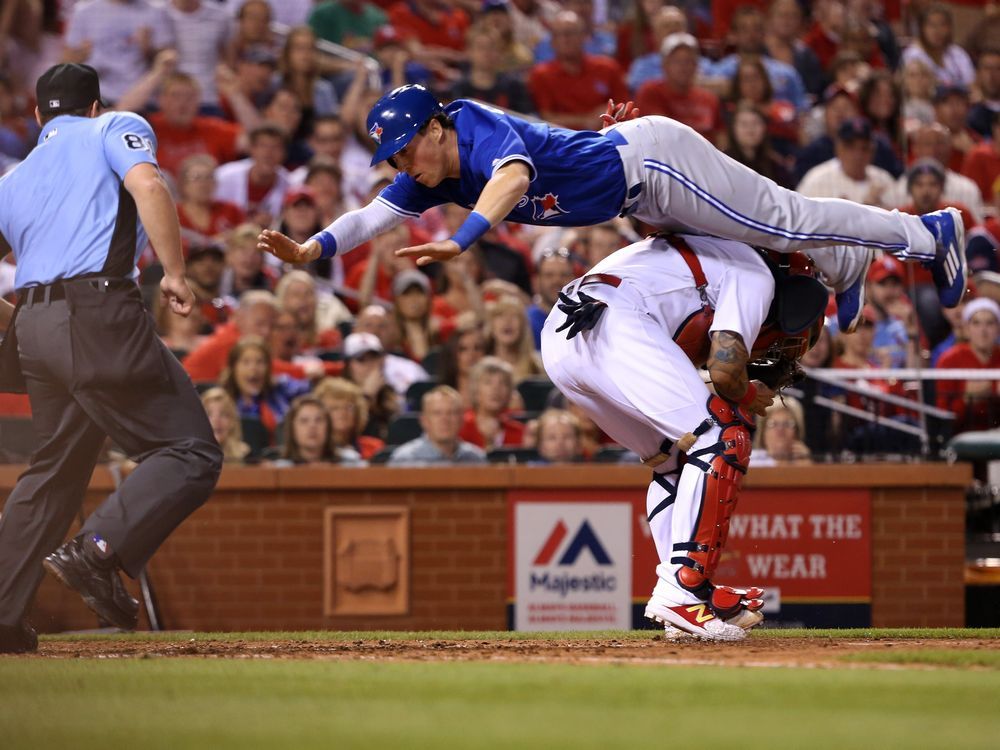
<point>600,278</point>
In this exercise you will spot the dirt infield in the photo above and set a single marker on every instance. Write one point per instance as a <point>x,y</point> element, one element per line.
<point>754,652</point>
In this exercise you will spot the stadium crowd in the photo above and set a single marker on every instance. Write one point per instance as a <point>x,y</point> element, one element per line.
<point>366,358</point>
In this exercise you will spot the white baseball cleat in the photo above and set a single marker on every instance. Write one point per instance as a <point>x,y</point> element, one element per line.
<point>693,619</point>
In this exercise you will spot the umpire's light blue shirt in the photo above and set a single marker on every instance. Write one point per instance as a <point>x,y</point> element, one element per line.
<point>64,210</point>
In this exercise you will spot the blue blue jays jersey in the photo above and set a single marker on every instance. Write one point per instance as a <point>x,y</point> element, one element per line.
<point>577,178</point>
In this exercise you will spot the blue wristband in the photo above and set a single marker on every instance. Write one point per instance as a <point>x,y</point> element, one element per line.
<point>471,230</point>
<point>327,243</point>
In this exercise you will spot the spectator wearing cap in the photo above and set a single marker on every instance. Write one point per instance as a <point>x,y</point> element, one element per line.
<point>203,219</point>
<point>257,184</point>
<point>982,162</point>
<point>118,39</point>
<point>206,264</point>
<point>850,174</point>
<point>676,96</point>
<point>488,423</point>
<point>897,336</point>
<point>748,37</point>
<point>573,89</point>
<point>400,372</point>
<point>596,41</point>
<point>515,56</point>
<point>300,217</point>
<point>364,365</point>
<point>483,79</point>
<point>840,105</point>
<point>988,83</point>
<point>935,47</point>
<point>976,403</point>
<point>925,181</point>
<point>649,67</point>
<point>201,32</point>
<point>441,421</point>
<point>394,54</point>
<point>351,23</point>
<point>933,141</point>
<point>411,308</point>
<point>951,109</point>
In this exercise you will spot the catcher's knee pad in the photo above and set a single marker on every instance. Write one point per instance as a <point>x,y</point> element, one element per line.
<point>724,464</point>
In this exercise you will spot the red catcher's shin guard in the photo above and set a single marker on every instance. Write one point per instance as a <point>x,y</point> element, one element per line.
<point>724,464</point>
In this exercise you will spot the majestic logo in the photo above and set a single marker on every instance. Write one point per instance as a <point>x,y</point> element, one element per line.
<point>585,539</point>
<point>376,133</point>
<point>546,206</point>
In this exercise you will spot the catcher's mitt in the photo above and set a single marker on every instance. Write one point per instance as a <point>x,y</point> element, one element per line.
<point>775,373</point>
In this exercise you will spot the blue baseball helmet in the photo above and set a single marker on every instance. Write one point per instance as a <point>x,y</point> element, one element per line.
<point>397,117</point>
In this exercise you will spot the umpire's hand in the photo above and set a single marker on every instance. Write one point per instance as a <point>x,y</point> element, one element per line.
<point>178,294</point>
<point>286,249</point>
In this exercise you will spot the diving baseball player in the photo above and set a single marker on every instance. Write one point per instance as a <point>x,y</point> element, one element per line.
<point>625,344</point>
<point>654,168</point>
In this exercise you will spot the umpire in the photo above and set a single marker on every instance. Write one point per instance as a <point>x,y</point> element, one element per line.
<point>76,212</point>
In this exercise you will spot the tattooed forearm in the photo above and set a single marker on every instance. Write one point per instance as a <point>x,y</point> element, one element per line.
<point>727,365</point>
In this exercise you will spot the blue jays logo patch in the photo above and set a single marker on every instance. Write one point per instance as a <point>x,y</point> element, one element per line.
<point>546,206</point>
<point>376,133</point>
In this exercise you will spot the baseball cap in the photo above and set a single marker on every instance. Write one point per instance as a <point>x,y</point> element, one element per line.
<point>978,305</point>
<point>678,39</point>
<point>492,5</point>
<point>298,194</point>
<point>361,343</point>
<point>980,252</point>
<point>944,92</point>
<point>67,87</point>
<point>924,166</point>
<point>197,252</point>
<point>386,35</point>
<point>404,280</point>
<point>853,129</point>
<point>884,268</point>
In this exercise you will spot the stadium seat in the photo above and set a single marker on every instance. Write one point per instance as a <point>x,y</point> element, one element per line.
<point>534,392</point>
<point>432,362</point>
<point>256,435</point>
<point>382,456</point>
<point>17,439</point>
<point>416,392</point>
<point>404,428</point>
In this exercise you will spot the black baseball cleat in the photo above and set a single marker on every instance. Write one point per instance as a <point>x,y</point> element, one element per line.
<point>18,639</point>
<point>99,585</point>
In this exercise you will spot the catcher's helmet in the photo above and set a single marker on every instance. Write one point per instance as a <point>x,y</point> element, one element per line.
<point>398,116</point>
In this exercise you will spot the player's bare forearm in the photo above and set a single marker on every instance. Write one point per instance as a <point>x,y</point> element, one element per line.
<point>503,190</point>
<point>158,215</point>
<point>727,365</point>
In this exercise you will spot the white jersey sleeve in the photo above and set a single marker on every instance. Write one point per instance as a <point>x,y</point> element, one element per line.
<point>357,227</point>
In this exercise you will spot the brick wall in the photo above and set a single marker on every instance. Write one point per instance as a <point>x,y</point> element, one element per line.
<point>252,558</point>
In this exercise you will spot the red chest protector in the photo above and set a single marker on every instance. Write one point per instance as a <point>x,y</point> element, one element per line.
<point>792,325</point>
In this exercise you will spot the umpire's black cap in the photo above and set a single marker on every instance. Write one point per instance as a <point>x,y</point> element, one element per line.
<point>67,87</point>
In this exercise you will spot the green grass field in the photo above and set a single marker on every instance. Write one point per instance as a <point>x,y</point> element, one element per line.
<point>930,698</point>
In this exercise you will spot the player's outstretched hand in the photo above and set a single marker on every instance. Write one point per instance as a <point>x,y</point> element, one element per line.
<point>285,248</point>
<point>443,251</point>
<point>618,113</point>
<point>765,397</point>
<point>177,294</point>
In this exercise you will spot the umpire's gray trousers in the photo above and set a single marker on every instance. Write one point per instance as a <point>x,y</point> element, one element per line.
<point>94,367</point>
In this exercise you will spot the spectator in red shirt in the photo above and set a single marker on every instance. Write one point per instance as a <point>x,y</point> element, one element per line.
<point>982,163</point>
<point>976,403</point>
<point>255,316</point>
<point>573,89</point>
<point>438,28</point>
<point>951,109</point>
<point>203,220</point>
<point>676,96</point>
<point>180,131</point>
<point>487,423</point>
<point>828,27</point>
<point>296,293</point>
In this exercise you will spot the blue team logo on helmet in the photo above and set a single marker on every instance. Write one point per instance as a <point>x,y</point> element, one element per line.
<point>398,116</point>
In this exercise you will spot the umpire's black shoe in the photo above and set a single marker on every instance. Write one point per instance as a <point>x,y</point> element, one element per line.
<point>18,639</point>
<point>99,585</point>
